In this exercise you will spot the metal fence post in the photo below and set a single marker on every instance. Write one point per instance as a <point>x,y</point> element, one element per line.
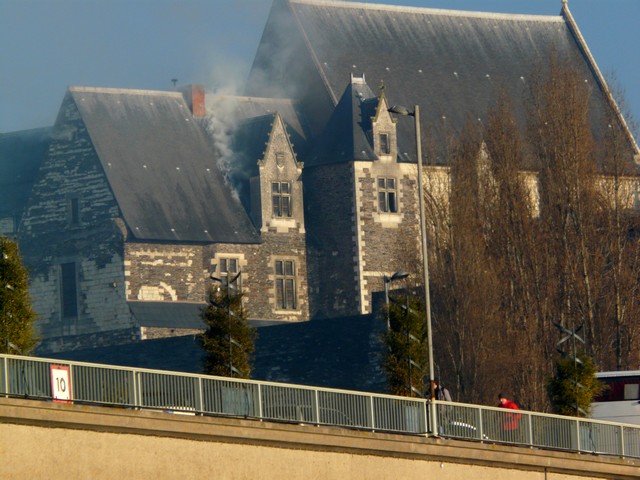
<point>434,419</point>
<point>260,402</point>
<point>622,441</point>
<point>529,416</point>
<point>579,449</point>
<point>5,372</point>
<point>372,415</point>
<point>200,396</point>
<point>426,416</point>
<point>72,387</point>
<point>317,410</point>
<point>481,423</point>
<point>137,394</point>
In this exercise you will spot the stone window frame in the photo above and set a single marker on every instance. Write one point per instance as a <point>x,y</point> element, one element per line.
<point>281,202</point>
<point>73,210</point>
<point>384,143</point>
<point>8,225</point>
<point>224,272</point>
<point>387,196</point>
<point>285,284</point>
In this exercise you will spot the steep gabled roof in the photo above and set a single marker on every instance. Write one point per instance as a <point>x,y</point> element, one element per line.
<point>161,167</point>
<point>21,154</point>
<point>345,136</point>
<point>453,64</point>
<point>230,110</point>
<point>241,128</point>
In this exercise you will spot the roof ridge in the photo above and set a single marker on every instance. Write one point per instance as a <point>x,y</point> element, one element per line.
<point>252,98</point>
<point>128,91</point>
<point>582,44</point>
<point>434,11</point>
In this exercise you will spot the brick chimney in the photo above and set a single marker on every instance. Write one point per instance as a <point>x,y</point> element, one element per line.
<point>194,96</point>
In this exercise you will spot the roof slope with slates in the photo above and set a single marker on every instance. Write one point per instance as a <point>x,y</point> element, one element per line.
<point>21,154</point>
<point>161,166</point>
<point>453,64</point>
<point>344,138</point>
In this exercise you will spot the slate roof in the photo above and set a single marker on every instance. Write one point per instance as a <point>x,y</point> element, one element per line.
<point>334,353</point>
<point>344,138</point>
<point>174,315</point>
<point>21,154</point>
<point>242,126</point>
<point>453,64</point>
<point>230,110</point>
<point>161,167</point>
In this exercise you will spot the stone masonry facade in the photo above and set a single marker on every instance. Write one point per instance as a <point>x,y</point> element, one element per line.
<point>71,234</point>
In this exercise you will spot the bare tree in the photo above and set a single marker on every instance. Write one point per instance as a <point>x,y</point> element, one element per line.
<point>463,280</point>
<point>618,331</point>
<point>519,255</point>
<point>571,203</point>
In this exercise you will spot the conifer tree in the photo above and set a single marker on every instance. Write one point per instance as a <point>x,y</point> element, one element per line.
<point>229,340</point>
<point>574,387</point>
<point>16,314</point>
<point>405,358</point>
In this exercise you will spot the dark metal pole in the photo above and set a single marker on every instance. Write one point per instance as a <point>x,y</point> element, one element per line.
<point>425,257</point>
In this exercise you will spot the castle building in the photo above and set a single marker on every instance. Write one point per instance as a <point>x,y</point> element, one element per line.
<point>134,201</point>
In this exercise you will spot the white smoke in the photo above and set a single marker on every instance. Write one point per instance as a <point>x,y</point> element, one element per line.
<point>224,82</point>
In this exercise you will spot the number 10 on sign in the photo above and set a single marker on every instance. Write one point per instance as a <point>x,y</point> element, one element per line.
<point>61,383</point>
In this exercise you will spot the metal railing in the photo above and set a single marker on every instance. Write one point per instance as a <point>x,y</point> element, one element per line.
<point>87,383</point>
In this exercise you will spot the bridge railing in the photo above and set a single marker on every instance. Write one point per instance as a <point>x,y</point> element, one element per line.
<point>174,392</point>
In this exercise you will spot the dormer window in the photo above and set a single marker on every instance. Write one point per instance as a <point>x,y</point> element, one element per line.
<point>281,199</point>
<point>387,195</point>
<point>385,145</point>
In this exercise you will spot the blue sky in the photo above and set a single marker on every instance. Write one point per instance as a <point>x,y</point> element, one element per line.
<point>48,45</point>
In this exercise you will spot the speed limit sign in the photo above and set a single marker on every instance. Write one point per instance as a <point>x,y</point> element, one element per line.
<point>61,383</point>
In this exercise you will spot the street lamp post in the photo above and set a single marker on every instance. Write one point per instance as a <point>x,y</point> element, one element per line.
<point>229,282</point>
<point>387,280</point>
<point>403,111</point>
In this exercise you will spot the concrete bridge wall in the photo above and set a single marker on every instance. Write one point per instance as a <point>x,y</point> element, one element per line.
<point>53,440</point>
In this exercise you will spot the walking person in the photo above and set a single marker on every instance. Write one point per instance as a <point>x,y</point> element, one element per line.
<point>510,421</point>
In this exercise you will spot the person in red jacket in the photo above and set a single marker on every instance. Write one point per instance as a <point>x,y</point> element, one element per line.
<point>510,421</point>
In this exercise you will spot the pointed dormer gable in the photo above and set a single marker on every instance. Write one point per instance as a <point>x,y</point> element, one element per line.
<point>383,131</point>
<point>276,192</point>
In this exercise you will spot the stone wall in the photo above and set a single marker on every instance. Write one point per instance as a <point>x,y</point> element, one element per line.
<point>164,272</point>
<point>388,242</point>
<point>256,262</point>
<point>73,218</point>
<point>331,235</point>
